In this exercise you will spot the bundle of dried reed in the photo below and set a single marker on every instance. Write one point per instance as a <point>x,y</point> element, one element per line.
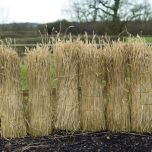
<point>12,115</point>
<point>140,67</point>
<point>91,99</point>
<point>40,108</point>
<point>67,110</point>
<point>117,106</point>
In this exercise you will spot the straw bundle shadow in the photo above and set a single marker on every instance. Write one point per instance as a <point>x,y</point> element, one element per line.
<point>40,107</point>
<point>91,74</point>
<point>117,106</point>
<point>11,112</point>
<point>67,110</point>
<point>140,65</point>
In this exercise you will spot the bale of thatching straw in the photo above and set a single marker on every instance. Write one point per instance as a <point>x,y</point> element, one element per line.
<point>117,106</point>
<point>11,100</point>
<point>140,66</point>
<point>40,108</point>
<point>1,72</point>
<point>92,102</point>
<point>67,110</point>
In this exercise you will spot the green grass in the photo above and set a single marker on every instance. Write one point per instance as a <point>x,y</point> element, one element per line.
<point>23,75</point>
<point>148,39</point>
<point>53,73</point>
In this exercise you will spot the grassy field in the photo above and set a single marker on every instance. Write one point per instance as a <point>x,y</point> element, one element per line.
<point>148,39</point>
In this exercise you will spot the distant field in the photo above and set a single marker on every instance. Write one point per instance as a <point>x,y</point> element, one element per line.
<point>34,36</point>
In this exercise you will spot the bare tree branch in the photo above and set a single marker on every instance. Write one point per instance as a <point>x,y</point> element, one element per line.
<point>105,4</point>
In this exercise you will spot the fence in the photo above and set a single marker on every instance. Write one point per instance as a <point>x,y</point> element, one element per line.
<point>106,88</point>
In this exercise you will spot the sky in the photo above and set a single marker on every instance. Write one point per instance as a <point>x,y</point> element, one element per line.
<point>37,11</point>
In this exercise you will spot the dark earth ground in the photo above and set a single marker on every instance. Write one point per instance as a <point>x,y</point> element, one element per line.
<point>83,142</point>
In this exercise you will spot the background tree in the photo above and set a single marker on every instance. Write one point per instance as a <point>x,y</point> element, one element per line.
<point>112,10</point>
<point>119,12</point>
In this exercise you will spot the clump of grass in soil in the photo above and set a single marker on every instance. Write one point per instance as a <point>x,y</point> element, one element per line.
<point>67,108</point>
<point>11,99</point>
<point>117,105</point>
<point>91,74</point>
<point>39,104</point>
<point>140,66</point>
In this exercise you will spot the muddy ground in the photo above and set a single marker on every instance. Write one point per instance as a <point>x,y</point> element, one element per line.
<point>88,142</point>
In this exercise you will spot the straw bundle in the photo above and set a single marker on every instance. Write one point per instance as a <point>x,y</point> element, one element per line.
<point>117,112</point>
<point>11,112</point>
<point>67,111</point>
<point>1,72</point>
<point>40,110</point>
<point>91,74</point>
<point>140,62</point>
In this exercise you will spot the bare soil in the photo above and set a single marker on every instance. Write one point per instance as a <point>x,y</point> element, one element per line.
<point>83,142</point>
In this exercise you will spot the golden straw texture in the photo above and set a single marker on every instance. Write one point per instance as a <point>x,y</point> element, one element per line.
<point>67,111</point>
<point>11,111</point>
<point>40,107</point>
<point>140,66</point>
<point>91,99</point>
<point>117,106</point>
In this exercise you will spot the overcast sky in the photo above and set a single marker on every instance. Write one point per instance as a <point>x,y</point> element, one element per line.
<point>39,11</point>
